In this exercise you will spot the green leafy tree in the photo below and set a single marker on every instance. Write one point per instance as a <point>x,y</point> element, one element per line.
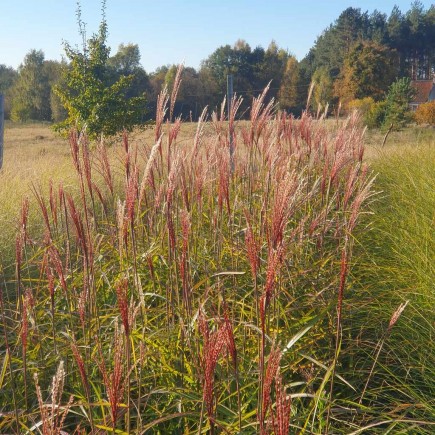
<point>157,80</point>
<point>273,67</point>
<point>236,60</point>
<point>54,72</point>
<point>93,101</point>
<point>322,92</point>
<point>126,62</point>
<point>191,94</point>
<point>127,59</point>
<point>7,79</point>
<point>31,91</point>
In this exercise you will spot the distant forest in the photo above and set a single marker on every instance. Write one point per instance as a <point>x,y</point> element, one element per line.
<point>357,56</point>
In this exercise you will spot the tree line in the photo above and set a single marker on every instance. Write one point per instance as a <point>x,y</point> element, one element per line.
<point>358,56</point>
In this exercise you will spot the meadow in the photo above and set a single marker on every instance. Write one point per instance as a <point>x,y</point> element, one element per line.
<point>159,283</point>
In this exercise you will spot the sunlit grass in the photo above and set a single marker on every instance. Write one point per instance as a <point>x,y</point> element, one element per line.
<point>133,292</point>
<point>397,265</point>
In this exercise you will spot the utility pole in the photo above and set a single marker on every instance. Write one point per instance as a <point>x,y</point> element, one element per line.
<point>2,127</point>
<point>230,125</point>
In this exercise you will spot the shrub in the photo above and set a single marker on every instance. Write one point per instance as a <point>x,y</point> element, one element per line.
<point>375,117</point>
<point>425,114</point>
<point>363,105</point>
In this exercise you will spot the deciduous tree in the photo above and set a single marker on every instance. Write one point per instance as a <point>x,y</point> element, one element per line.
<point>93,101</point>
<point>7,78</point>
<point>288,92</point>
<point>31,91</point>
<point>323,88</point>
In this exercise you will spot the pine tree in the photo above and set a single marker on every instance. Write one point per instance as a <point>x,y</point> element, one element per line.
<point>397,113</point>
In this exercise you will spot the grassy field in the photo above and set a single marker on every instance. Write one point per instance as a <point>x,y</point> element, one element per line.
<point>396,267</point>
<point>169,290</point>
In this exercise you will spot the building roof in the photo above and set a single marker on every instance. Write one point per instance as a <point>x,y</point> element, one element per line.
<point>424,88</point>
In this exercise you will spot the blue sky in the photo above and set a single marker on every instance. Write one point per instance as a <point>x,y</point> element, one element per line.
<point>171,31</point>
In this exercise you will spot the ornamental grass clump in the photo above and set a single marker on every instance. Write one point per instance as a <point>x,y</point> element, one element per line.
<point>251,224</point>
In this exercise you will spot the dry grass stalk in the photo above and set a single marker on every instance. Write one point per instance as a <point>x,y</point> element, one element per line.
<point>40,199</point>
<point>175,89</point>
<point>396,315</point>
<point>393,320</point>
<point>148,169</point>
<point>162,107</point>
<point>53,414</point>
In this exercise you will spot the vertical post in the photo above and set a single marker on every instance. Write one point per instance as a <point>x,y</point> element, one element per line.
<point>229,93</point>
<point>2,126</point>
<point>230,122</point>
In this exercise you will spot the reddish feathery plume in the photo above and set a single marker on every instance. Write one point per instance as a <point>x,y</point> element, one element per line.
<point>100,197</point>
<point>78,225</point>
<point>273,266</point>
<point>18,253</point>
<point>114,380</point>
<point>214,344</point>
<point>81,366</point>
<point>271,371</point>
<point>281,414</point>
<point>131,195</point>
<point>105,168</point>
<point>43,208</point>
<point>122,295</point>
<point>55,260</point>
<point>75,149</point>
<point>285,192</point>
